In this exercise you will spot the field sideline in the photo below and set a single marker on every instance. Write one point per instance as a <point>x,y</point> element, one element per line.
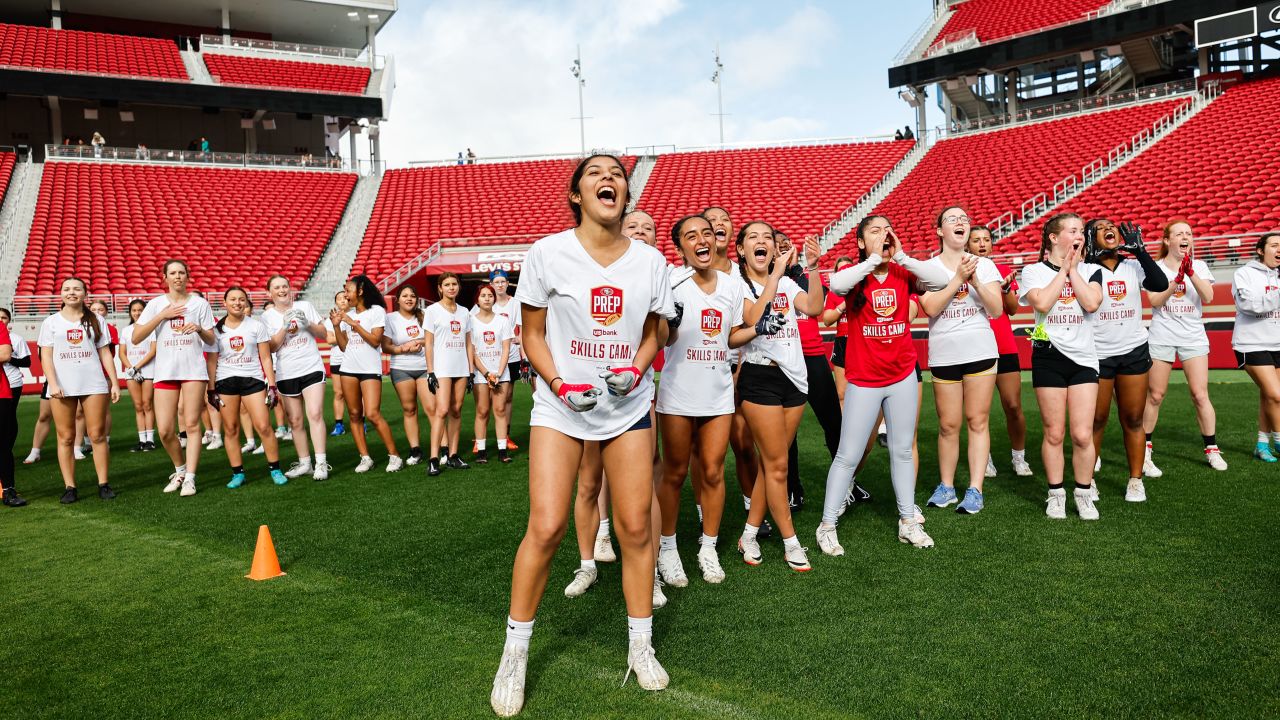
<point>397,589</point>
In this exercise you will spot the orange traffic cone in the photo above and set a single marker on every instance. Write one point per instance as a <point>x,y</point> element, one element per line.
<point>265,563</point>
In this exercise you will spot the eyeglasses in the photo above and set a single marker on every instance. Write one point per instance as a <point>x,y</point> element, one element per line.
<point>955,219</point>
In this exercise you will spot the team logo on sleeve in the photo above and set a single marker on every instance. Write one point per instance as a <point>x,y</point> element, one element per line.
<point>1067,295</point>
<point>712,322</point>
<point>237,343</point>
<point>1117,289</point>
<point>75,336</point>
<point>455,327</point>
<point>490,337</point>
<point>884,301</point>
<point>781,303</point>
<point>606,304</point>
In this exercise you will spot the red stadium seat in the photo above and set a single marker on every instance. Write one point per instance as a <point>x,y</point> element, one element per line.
<point>266,72</point>
<point>77,51</point>
<point>995,19</point>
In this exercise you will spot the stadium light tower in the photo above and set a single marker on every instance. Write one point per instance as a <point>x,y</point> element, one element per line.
<point>717,77</point>
<point>576,69</point>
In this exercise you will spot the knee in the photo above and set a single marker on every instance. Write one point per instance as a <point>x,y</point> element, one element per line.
<point>1054,435</point>
<point>374,416</point>
<point>96,438</point>
<point>1131,421</point>
<point>977,423</point>
<point>546,534</point>
<point>632,529</point>
<point>1156,397</point>
<point>1199,398</point>
<point>1271,397</point>
<point>1082,437</point>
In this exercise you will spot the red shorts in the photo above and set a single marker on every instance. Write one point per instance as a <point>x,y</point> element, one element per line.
<point>171,384</point>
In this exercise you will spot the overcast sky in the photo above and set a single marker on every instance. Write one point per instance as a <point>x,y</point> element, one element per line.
<point>493,75</point>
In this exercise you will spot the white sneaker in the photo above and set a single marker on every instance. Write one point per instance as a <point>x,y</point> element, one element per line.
<point>288,435</point>
<point>32,457</point>
<point>913,534</point>
<point>991,467</point>
<point>642,661</point>
<point>1094,495</point>
<point>175,482</point>
<point>829,541</point>
<point>215,442</point>
<point>298,469</point>
<point>507,698</point>
<point>709,564</point>
<point>260,450</point>
<point>206,438</point>
<point>797,559</point>
<point>1021,468</point>
<point>365,464</point>
<point>188,487</point>
<point>77,453</point>
<point>280,433</point>
<point>394,463</point>
<point>1097,464</point>
<point>1056,507</point>
<point>671,569</point>
<point>583,579</point>
<point>1135,492</point>
<point>321,471</point>
<point>1084,505</point>
<point>249,446</point>
<point>1214,456</point>
<point>1149,468</point>
<point>182,442</point>
<point>604,549</point>
<point>919,515</point>
<point>749,548</point>
<point>659,597</point>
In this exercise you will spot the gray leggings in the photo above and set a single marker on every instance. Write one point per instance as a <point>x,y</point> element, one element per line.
<point>900,403</point>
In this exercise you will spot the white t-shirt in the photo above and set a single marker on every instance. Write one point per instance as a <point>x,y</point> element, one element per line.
<point>75,354</point>
<point>179,357</point>
<point>20,350</point>
<point>783,347</point>
<point>137,351</point>
<point>1179,322</point>
<point>486,338</point>
<point>238,350</point>
<point>450,331</point>
<point>962,332</point>
<point>595,320</point>
<point>511,313</point>
<point>299,355</point>
<point>1070,329</point>
<point>1118,324</point>
<point>359,357</point>
<point>401,330</point>
<point>696,379</point>
<point>335,352</point>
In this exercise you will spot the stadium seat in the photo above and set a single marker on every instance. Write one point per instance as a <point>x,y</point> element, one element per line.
<point>77,51</point>
<point>995,19</point>
<point>114,225</point>
<point>266,72</point>
<point>7,161</point>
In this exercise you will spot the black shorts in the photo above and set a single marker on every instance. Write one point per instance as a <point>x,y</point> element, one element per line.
<point>644,423</point>
<point>838,350</point>
<point>513,370</point>
<point>335,368</point>
<point>768,385</point>
<point>362,376</point>
<point>957,373</point>
<point>239,386</point>
<point>1050,368</point>
<point>1258,358</point>
<point>293,387</point>
<point>1135,362</point>
<point>1008,363</point>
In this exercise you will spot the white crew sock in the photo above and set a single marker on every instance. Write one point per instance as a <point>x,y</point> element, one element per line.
<point>1262,438</point>
<point>1020,455</point>
<point>667,542</point>
<point>604,526</point>
<point>321,458</point>
<point>305,460</point>
<point>749,531</point>
<point>180,469</point>
<point>588,564</point>
<point>189,477</point>
<point>882,430</point>
<point>1275,437</point>
<point>791,543</point>
<point>519,633</point>
<point>142,436</point>
<point>708,540</point>
<point>502,443</point>
<point>639,628</point>
<point>480,443</point>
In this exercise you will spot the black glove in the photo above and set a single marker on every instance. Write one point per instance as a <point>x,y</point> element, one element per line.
<point>432,383</point>
<point>770,323</point>
<point>673,323</point>
<point>1132,235</point>
<point>471,381</point>
<point>273,396</point>
<point>795,272</point>
<point>215,400</point>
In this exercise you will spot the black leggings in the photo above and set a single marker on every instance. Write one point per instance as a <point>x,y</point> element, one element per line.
<point>8,435</point>
<point>826,406</point>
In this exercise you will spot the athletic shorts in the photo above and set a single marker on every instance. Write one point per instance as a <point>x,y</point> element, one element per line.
<point>947,374</point>
<point>1008,363</point>
<point>1135,362</point>
<point>335,368</point>
<point>1051,369</point>
<point>240,386</point>
<point>643,423</point>
<point>1168,353</point>
<point>513,370</point>
<point>293,387</point>
<point>838,350</point>
<point>172,384</point>
<point>362,376</point>
<point>1258,358</point>
<point>398,376</point>
<point>768,385</point>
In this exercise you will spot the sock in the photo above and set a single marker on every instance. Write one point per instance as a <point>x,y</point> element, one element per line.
<point>708,540</point>
<point>1262,438</point>
<point>791,543</point>
<point>282,429</point>
<point>183,434</point>
<point>365,457</point>
<point>639,628</point>
<point>481,442</point>
<point>746,501</point>
<point>1083,487</point>
<point>699,513</point>
<point>180,469</point>
<point>882,430</point>
<point>1148,438</point>
<point>588,564</point>
<point>604,526</point>
<point>667,542</point>
<point>320,458</point>
<point>502,443</point>
<point>1055,486</point>
<point>1210,441</point>
<point>273,465</point>
<point>1020,454</point>
<point>237,469</point>
<point>749,531</point>
<point>142,436</point>
<point>1275,438</point>
<point>215,436</point>
<point>189,477</point>
<point>305,460</point>
<point>519,633</point>
<point>151,436</point>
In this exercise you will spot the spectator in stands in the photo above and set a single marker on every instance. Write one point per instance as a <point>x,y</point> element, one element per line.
<point>897,135</point>
<point>907,134</point>
<point>142,153</point>
<point>461,160</point>
<point>98,142</point>
<point>204,145</point>
<point>471,157</point>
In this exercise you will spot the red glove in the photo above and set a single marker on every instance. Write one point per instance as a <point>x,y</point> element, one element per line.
<point>580,397</point>
<point>621,380</point>
<point>1188,266</point>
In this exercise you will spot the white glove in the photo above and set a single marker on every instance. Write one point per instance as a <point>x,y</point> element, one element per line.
<point>621,380</point>
<point>679,273</point>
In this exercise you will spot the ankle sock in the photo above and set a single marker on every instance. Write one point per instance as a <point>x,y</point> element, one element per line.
<point>480,443</point>
<point>587,564</point>
<point>1020,455</point>
<point>791,543</point>
<point>667,542</point>
<point>1083,487</point>
<point>749,531</point>
<point>708,540</point>
<point>237,469</point>
<point>1210,441</point>
<point>604,529</point>
<point>519,633</point>
<point>638,628</point>
<point>502,443</point>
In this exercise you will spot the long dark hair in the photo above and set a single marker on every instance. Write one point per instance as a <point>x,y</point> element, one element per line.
<point>742,259</point>
<point>222,321</point>
<point>1052,227</point>
<point>87,318</point>
<point>575,182</point>
<point>368,292</point>
<point>857,297</point>
<point>678,228</point>
<point>417,310</point>
<point>132,303</point>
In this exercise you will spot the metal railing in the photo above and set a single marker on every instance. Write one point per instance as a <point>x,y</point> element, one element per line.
<point>407,270</point>
<point>954,42</point>
<point>90,73</point>
<point>38,306</point>
<point>1075,107</point>
<point>911,48</point>
<point>288,48</point>
<point>191,157</point>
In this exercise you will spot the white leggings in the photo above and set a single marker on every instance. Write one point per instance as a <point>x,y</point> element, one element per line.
<point>901,404</point>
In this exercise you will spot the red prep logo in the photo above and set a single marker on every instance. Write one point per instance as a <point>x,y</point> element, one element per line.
<point>177,322</point>
<point>884,301</point>
<point>1117,289</point>
<point>712,322</point>
<point>237,343</point>
<point>606,304</point>
<point>413,331</point>
<point>963,292</point>
<point>489,337</point>
<point>75,336</point>
<point>1179,289</point>
<point>455,327</point>
<point>781,304</point>
<point>293,327</point>
<point>1067,295</point>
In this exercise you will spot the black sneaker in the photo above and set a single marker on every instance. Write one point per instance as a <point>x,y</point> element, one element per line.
<point>433,467</point>
<point>415,454</point>
<point>13,499</point>
<point>795,501</point>
<point>444,451</point>
<point>69,496</point>
<point>766,530</point>
<point>140,447</point>
<point>882,440</point>
<point>482,456</point>
<point>106,493</point>
<point>503,455</point>
<point>458,463</point>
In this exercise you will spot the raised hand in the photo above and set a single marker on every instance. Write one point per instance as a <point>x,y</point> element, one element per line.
<point>1132,235</point>
<point>812,251</point>
<point>967,267</point>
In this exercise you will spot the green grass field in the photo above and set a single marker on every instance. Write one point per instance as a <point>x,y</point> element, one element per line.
<point>396,596</point>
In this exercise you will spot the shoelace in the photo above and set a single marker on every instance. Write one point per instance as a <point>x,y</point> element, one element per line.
<point>646,659</point>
